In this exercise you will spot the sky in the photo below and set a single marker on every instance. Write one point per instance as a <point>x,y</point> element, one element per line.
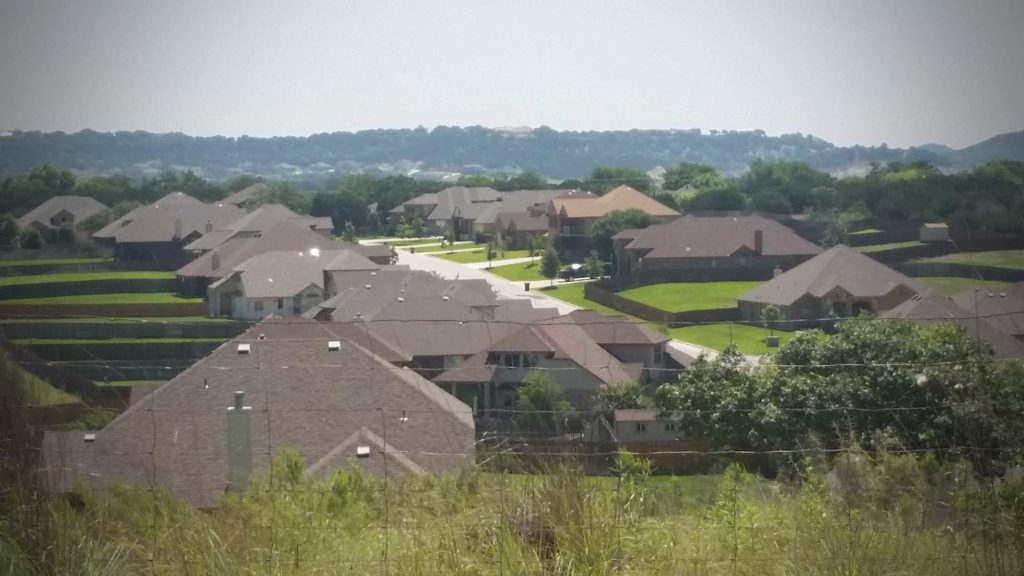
<point>901,72</point>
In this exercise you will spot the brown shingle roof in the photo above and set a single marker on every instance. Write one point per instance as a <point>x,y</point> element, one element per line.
<point>157,222</point>
<point>285,273</point>
<point>621,198</point>
<point>259,220</point>
<point>302,395</point>
<point>245,194</point>
<point>1003,308</point>
<point>80,207</point>
<point>933,308</point>
<point>611,330</point>
<point>839,267</point>
<point>716,237</point>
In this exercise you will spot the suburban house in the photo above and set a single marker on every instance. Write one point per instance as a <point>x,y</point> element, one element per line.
<point>531,203</point>
<point>49,216</point>
<point>640,431</point>
<point>283,283</point>
<point>840,279</point>
<point>282,384</point>
<point>244,197</point>
<point>571,215</point>
<point>517,230</point>
<point>934,308</point>
<point>215,263</point>
<point>464,212</point>
<point>1003,308</point>
<point>576,362</point>
<point>934,232</point>
<point>628,341</point>
<point>159,232</point>
<point>259,221</point>
<point>744,243</point>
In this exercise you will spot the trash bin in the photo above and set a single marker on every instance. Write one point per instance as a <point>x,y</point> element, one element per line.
<point>526,286</point>
<point>771,341</point>
<point>412,249</point>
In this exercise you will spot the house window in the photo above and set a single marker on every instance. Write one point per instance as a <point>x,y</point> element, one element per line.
<point>297,305</point>
<point>641,427</point>
<point>671,427</point>
<point>280,303</point>
<point>512,360</point>
<point>258,306</point>
<point>659,354</point>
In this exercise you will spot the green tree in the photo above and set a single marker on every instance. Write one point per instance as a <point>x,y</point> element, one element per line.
<point>612,223</point>
<point>8,230</point>
<point>725,199</point>
<point>525,180</point>
<point>770,315</point>
<point>541,406</point>
<point>690,174</point>
<point>349,232</point>
<point>537,244</point>
<point>102,218</point>
<point>594,265</point>
<point>66,234</point>
<point>285,194</point>
<point>604,178</point>
<point>30,239</point>
<point>550,264</point>
<point>621,396</point>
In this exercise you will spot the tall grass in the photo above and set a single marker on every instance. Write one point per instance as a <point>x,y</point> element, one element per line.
<point>864,515</point>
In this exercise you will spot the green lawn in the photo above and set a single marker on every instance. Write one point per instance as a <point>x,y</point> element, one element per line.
<point>439,248</point>
<point>952,286</point>
<point>481,256</point>
<point>116,320</point>
<point>890,246</point>
<point>685,296</point>
<point>519,272</point>
<point>867,231</point>
<point>39,392</point>
<point>572,292</point>
<point>83,277</point>
<point>995,258</point>
<point>49,261</point>
<point>130,383</point>
<point>27,341</point>
<point>749,339</point>
<point>414,242</point>
<point>126,298</point>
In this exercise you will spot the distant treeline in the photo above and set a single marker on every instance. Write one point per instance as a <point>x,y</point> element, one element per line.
<point>469,150</point>
<point>988,197</point>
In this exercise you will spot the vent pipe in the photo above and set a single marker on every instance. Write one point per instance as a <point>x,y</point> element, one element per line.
<point>239,444</point>
<point>215,260</point>
<point>776,271</point>
<point>758,242</point>
<point>177,228</point>
<point>209,225</point>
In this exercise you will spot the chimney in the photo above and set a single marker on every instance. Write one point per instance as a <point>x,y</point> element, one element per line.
<point>177,228</point>
<point>215,260</point>
<point>758,243</point>
<point>239,444</point>
<point>776,271</point>
<point>209,225</point>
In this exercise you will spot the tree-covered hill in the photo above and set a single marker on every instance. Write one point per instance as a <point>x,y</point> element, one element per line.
<point>467,150</point>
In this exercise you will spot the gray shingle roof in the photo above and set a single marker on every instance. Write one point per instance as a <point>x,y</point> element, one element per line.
<point>1003,308</point>
<point>933,308</point>
<point>303,396</point>
<point>259,220</point>
<point>611,330</point>
<point>716,237</point>
<point>80,207</point>
<point>516,201</point>
<point>245,194</point>
<point>157,222</point>
<point>285,273</point>
<point>839,267</point>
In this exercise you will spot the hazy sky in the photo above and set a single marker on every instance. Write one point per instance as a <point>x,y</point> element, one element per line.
<point>851,71</point>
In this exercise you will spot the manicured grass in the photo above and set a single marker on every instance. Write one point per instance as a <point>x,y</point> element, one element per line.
<point>414,242</point>
<point>115,320</point>
<point>749,339</point>
<point>685,296</point>
<point>439,248</point>
<point>49,261</point>
<point>38,391</point>
<point>890,246</point>
<point>83,277</point>
<point>572,292</point>
<point>951,286</point>
<point>994,258</point>
<point>519,272</point>
<point>867,231</point>
<point>28,341</point>
<point>126,298</point>
<point>481,256</point>
<point>130,383</point>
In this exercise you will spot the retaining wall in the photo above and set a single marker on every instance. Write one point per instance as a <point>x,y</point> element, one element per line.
<point>135,351</point>
<point>101,330</point>
<point>113,286</point>
<point>101,310</point>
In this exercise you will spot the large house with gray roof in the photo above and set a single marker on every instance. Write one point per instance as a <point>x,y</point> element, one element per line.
<point>59,211</point>
<point>841,280</point>
<point>305,387</point>
<point>747,244</point>
<point>934,308</point>
<point>1004,307</point>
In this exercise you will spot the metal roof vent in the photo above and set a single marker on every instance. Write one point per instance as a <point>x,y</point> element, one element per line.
<point>243,348</point>
<point>261,337</point>
<point>373,273</point>
<point>362,451</point>
<point>334,345</point>
<point>446,298</point>
<point>89,437</point>
<point>401,298</point>
<point>368,286</point>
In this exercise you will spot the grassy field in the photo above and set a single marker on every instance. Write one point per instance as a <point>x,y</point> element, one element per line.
<point>749,339</point>
<point>890,246</point>
<point>29,341</point>
<point>686,296</point>
<point>572,292</point>
<point>115,320</point>
<point>414,242</point>
<point>952,286</point>
<point>125,298</point>
<point>481,256</point>
<point>995,258</point>
<point>867,231</point>
<point>50,261</point>
<point>83,277</point>
<point>519,272</point>
<point>439,248</point>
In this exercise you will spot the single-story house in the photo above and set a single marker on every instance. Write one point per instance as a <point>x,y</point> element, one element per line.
<point>280,385</point>
<point>465,212</point>
<point>934,308</point>
<point>571,215</point>
<point>51,215</point>
<point>710,242</point>
<point>841,279</point>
